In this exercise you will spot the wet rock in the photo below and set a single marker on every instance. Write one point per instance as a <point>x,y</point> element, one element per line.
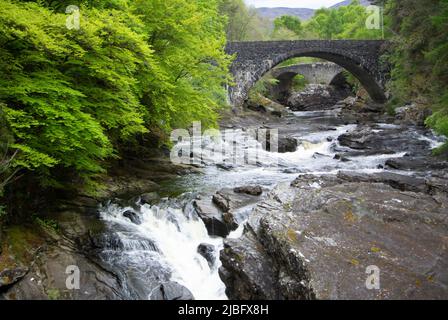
<point>316,97</point>
<point>396,139</point>
<point>219,214</point>
<point>229,200</point>
<point>230,220</point>
<point>251,190</point>
<point>362,153</point>
<point>149,198</point>
<point>316,238</point>
<point>341,158</point>
<point>47,278</point>
<point>226,167</point>
<point>287,144</point>
<point>134,217</point>
<point>208,252</point>
<point>110,241</point>
<point>247,271</point>
<point>11,276</point>
<point>222,201</point>
<point>358,139</point>
<point>417,164</point>
<point>171,291</point>
<point>213,218</point>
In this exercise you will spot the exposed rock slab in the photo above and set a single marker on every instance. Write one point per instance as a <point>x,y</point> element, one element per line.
<point>397,139</point>
<point>317,237</point>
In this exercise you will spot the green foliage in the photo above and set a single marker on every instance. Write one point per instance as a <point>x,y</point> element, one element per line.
<point>298,60</point>
<point>289,23</point>
<point>188,40</point>
<point>352,81</point>
<point>262,87</point>
<point>72,98</point>
<point>7,173</point>
<point>419,55</point>
<point>346,22</point>
<point>53,294</point>
<point>46,223</point>
<point>299,83</point>
<point>243,22</point>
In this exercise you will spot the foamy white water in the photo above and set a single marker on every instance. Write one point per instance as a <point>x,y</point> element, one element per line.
<point>177,236</point>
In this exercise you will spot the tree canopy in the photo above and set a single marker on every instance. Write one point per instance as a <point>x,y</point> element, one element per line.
<point>71,98</point>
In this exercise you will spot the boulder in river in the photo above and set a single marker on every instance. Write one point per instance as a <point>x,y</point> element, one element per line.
<point>232,199</point>
<point>396,139</point>
<point>321,237</point>
<point>134,217</point>
<point>220,213</point>
<point>212,218</point>
<point>251,190</point>
<point>287,144</point>
<point>208,252</point>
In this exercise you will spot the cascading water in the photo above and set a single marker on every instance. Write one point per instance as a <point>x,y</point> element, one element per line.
<point>176,233</point>
<point>164,246</point>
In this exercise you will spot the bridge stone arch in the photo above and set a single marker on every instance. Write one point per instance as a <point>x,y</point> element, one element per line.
<point>316,72</point>
<point>254,59</point>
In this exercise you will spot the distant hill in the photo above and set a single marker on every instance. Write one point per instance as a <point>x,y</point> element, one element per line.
<point>302,13</point>
<point>365,3</point>
<point>272,13</point>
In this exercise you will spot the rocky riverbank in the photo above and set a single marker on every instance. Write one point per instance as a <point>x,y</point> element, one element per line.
<point>34,256</point>
<point>316,237</point>
<point>320,236</point>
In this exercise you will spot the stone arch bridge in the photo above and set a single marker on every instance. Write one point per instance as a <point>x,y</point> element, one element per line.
<point>316,72</point>
<point>359,57</point>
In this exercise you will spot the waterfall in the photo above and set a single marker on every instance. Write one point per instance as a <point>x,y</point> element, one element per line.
<point>176,233</point>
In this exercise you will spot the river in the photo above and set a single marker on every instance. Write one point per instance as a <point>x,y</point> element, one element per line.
<point>163,248</point>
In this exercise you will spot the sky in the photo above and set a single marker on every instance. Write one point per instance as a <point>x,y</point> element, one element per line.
<point>313,4</point>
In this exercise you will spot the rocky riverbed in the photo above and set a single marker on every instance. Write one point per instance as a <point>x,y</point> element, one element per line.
<point>352,188</point>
